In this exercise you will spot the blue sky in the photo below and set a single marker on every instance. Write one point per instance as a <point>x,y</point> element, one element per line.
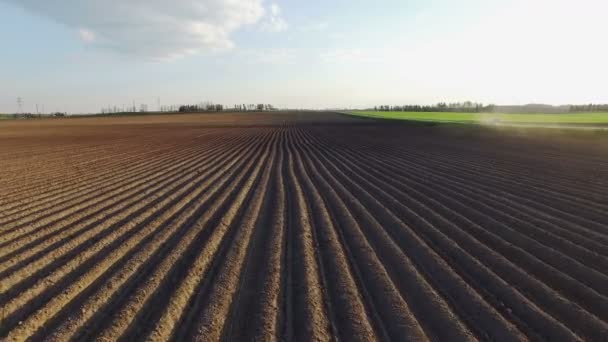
<point>80,56</point>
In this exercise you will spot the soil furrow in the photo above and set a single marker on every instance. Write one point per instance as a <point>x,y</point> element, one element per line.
<point>106,257</point>
<point>300,226</point>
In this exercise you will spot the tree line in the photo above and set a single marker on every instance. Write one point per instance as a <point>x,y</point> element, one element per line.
<point>457,107</point>
<point>34,115</point>
<point>589,108</point>
<point>187,108</point>
<point>210,107</point>
<point>473,107</point>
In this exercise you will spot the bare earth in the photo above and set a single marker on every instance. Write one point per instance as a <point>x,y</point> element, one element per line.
<point>298,227</point>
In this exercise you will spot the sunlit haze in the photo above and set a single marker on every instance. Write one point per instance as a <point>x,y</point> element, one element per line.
<point>80,56</point>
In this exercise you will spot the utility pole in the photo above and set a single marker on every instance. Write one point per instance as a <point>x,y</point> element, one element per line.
<point>158,103</point>
<point>19,105</point>
<point>37,112</point>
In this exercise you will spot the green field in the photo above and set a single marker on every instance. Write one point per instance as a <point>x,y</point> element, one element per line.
<point>492,118</point>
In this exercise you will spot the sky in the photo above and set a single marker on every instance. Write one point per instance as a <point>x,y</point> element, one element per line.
<point>79,56</point>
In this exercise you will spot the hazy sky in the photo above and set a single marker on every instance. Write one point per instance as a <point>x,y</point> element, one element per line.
<point>82,55</point>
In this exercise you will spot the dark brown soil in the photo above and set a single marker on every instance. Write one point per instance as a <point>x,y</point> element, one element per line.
<point>300,226</point>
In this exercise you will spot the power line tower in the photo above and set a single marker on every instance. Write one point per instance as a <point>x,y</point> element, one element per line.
<point>19,105</point>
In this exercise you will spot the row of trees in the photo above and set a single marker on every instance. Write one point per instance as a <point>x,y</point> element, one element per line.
<point>124,109</point>
<point>194,108</point>
<point>473,107</point>
<point>255,107</point>
<point>464,107</point>
<point>34,115</point>
<point>589,108</point>
<point>210,107</point>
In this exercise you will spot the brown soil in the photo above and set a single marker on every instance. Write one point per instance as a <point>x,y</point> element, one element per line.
<point>300,226</point>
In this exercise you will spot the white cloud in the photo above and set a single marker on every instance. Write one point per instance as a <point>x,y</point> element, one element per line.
<point>275,22</point>
<point>315,27</point>
<point>86,35</point>
<point>157,29</point>
<point>521,51</point>
<point>352,55</point>
<point>272,56</point>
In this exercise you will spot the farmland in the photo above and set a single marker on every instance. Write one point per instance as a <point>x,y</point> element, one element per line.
<point>285,226</point>
<point>493,118</point>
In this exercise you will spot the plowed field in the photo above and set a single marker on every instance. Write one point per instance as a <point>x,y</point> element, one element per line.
<point>300,226</point>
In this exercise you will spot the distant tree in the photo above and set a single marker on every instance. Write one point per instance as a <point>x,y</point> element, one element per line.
<point>589,108</point>
<point>464,107</point>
